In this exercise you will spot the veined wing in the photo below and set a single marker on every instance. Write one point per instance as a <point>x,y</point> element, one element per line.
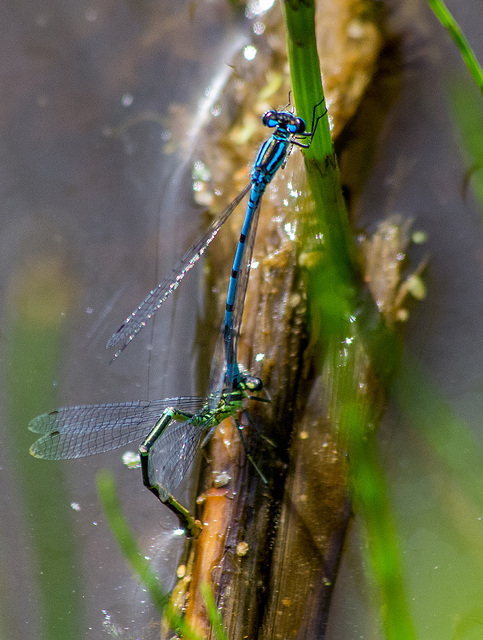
<point>174,451</point>
<point>138,318</point>
<point>84,430</point>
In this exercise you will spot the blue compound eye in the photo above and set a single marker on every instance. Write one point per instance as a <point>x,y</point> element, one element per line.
<point>270,119</point>
<point>298,126</point>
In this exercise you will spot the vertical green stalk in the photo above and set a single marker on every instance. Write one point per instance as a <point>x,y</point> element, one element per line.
<point>371,500</point>
<point>305,72</point>
<point>336,277</point>
<point>340,317</point>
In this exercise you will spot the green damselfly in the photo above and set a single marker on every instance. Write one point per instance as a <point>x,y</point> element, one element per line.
<point>180,424</point>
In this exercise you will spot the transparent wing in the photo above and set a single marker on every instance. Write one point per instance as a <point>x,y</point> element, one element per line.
<point>84,430</point>
<point>174,452</point>
<point>138,318</point>
<point>216,384</point>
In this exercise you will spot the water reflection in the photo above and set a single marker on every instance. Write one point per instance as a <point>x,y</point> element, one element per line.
<point>91,212</point>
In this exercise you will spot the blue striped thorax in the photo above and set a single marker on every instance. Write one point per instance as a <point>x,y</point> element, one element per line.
<point>273,151</point>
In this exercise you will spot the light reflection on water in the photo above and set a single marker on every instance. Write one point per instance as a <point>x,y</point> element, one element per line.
<point>91,209</point>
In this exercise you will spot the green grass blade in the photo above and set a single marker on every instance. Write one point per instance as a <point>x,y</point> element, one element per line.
<point>339,312</point>
<point>213,613</point>
<point>446,18</point>
<point>139,565</point>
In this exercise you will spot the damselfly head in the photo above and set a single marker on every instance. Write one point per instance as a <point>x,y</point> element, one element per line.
<point>284,120</point>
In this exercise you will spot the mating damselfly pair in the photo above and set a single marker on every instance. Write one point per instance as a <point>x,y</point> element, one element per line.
<point>173,428</point>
